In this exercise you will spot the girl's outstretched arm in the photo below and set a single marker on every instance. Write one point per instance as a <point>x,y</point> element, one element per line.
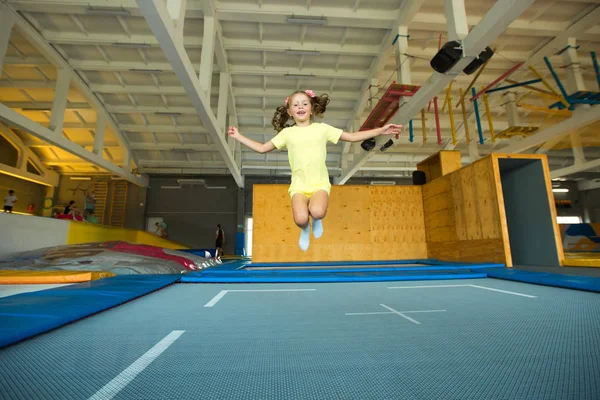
<point>390,129</point>
<point>258,147</point>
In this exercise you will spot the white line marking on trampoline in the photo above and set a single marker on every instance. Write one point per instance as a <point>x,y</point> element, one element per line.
<point>473,286</point>
<point>112,388</point>
<point>400,314</point>
<point>222,293</point>
<point>503,291</point>
<point>216,299</point>
<point>386,312</point>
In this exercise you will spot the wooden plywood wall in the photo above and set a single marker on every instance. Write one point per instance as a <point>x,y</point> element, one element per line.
<point>363,223</point>
<point>464,215</point>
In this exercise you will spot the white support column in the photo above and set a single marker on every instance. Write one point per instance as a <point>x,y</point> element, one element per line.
<point>456,20</point>
<point>208,53</point>
<point>577,148</point>
<point>222,108</point>
<point>575,81</point>
<point>402,60</point>
<point>127,161</point>
<point>373,89</point>
<point>511,109</point>
<point>99,134</point>
<point>7,21</point>
<point>177,9</point>
<point>492,25</point>
<point>474,151</point>
<point>59,104</point>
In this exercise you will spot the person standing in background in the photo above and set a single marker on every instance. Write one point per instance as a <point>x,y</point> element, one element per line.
<point>90,203</point>
<point>9,201</point>
<point>219,241</point>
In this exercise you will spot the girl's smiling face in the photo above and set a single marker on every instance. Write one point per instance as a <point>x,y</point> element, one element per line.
<point>300,107</point>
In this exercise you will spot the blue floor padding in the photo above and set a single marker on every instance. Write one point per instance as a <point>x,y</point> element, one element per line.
<point>334,276</point>
<point>28,314</point>
<point>587,283</point>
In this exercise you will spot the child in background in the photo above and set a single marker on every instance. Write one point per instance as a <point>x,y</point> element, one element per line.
<point>9,201</point>
<point>306,142</point>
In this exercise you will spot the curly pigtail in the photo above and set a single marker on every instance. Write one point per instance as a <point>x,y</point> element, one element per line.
<point>280,118</point>
<point>319,104</point>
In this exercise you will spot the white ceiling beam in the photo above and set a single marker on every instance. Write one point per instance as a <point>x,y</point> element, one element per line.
<point>7,21</point>
<point>283,93</point>
<point>580,119</point>
<point>407,12</point>
<point>159,21</point>
<point>173,146</point>
<point>588,19</point>
<point>43,106</point>
<point>208,53</point>
<point>59,103</point>
<point>14,119</point>
<point>338,17</point>
<point>492,25</point>
<point>163,128</point>
<point>32,35</point>
<point>281,46</point>
<point>573,169</point>
<point>46,177</point>
<point>99,135</point>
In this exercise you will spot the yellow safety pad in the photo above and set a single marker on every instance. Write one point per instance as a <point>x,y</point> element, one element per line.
<point>11,277</point>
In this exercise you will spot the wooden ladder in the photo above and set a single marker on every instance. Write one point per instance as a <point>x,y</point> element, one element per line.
<point>118,203</point>
<point>101,191</point>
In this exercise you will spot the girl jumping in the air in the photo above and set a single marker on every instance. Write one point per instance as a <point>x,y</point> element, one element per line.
<point>306,142</point>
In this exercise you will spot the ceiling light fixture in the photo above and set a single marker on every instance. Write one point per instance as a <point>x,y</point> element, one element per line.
<point>299,76</point>
<point>307,20</point>
<point>167,114</point>
<point>559,190</point>
<point>191,181</point>
<point>80,178</point>
<point>131,45</point>
<point>107,11</point>
<point>146,71</point>
<point>302,52</point>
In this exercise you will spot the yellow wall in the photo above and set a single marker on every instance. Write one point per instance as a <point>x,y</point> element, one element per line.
<point>363,223</point>
<point>81,232</point>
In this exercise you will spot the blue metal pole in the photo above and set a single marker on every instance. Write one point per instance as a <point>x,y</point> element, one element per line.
<point>410,131</point>
<point>595,61</point>
<point>476,108</point>
<point>560,86</point>
<point>531,82</point>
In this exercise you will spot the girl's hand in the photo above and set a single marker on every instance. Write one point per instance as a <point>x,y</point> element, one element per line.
<point>391,129</point>
<point>233,132</point>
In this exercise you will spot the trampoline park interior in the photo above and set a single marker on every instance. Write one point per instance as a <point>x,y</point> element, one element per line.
<point>458,261</point>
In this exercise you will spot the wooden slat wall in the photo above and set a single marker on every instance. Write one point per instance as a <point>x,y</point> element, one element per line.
<point>363,223</point>
<point>463,216</point>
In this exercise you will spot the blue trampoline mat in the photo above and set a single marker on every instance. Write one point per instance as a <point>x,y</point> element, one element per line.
<point>327,276</point>
<point>587,283</point>
<point>28,314</point>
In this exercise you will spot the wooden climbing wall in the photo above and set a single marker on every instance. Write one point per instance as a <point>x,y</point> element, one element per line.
<point>464,215</point>
<point>363,223</point>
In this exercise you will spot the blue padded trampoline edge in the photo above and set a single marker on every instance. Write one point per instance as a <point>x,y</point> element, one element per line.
<point>586,283</point>
<point>326,279</point>
<point>26,315</point>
